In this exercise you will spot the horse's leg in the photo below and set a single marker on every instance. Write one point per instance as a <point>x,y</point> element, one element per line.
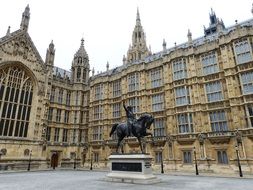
<point>152,138</point>
<point>139,139</point>
<point>122,148</point>
<point>119,140</point>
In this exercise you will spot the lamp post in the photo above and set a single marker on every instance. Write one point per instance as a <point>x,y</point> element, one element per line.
<point>162,171</point>
<point>29,162</point>
<point>91,161</point>
<point>75,161</point>
<point>238,161</point>
<point>196,164</point>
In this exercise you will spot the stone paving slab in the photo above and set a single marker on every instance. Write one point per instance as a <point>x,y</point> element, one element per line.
<point>93,180</point>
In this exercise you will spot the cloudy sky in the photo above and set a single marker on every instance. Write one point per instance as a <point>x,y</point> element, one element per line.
<point>107,25</point>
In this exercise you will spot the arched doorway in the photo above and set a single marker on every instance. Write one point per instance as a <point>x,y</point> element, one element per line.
<point>54,160</point>
<point>84,158</point>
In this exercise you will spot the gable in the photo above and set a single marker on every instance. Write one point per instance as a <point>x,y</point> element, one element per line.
<point>19,44</point>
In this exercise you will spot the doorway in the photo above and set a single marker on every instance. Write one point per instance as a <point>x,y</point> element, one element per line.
<point>54,160</point>
<point>84,158</point>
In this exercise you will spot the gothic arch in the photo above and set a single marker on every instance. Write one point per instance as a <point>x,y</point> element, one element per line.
<point>17,87</point>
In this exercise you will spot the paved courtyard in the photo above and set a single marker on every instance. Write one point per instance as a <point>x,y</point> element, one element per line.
<point>92,180</point>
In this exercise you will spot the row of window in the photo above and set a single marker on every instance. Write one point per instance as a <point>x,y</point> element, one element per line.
<point>187,157</point>
<point>182,97</point>
<point>67,135</point>
<point>54,97</point>
<point>214,90</point>
<point>209,61</point>
<point>217,120</point>
<point>64,97</point>
<point>56,114</point>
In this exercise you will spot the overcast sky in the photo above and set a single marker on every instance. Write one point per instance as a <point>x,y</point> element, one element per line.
<point>107,25</point>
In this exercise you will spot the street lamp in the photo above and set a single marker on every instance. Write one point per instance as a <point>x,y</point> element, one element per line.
<point>91,161</point>
<point>238,160</point>
<point>196,164</point>
<point>29,162</point>
<point>162,161</point>
<point>75,161</point>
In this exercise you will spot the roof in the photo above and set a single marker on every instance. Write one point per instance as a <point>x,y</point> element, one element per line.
<point>18,33</point>
<point>196,42</point>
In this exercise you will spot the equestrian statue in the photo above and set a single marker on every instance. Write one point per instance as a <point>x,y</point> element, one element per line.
<point>136,127</point>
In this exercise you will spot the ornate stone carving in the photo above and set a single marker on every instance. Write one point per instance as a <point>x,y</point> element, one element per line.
<point>41,91</point>
<point>201,138</point>
<point>238,136</point>
<point>169,140</point>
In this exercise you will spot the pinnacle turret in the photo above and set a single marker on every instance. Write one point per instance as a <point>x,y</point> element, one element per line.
<point>81,51</point>
<point>80,65</point>
<point>138,49</point>
<point>164,45</point>
<point>8,31</point>
<point>214,25</point>
<point>50,54</point>
<point>25,19</point>
<point>138,20</point>
<point>189,35</point>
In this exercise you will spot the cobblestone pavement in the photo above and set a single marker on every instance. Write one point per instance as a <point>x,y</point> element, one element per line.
<point>93,180</point>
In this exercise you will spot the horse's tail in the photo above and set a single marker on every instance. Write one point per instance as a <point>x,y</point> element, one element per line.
<point>113,128</point>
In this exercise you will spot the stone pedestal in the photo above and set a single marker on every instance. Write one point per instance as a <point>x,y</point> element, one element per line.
<point>131,168</point>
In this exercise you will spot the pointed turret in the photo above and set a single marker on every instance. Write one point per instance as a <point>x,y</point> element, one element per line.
<point>93,71</point>
<point>124,60</point>
<point>138,20</point>
<point>107,66</point>
<point>8,31</point>
<point>214,24</point>
<point>189,36</point>
<point>50,55</point>
<point>80,65</point>
<point>138,50</point>
<point>164,45</point>
<point>25,19</point>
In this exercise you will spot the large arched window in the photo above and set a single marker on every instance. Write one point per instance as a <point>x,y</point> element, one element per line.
<point>16,92</point>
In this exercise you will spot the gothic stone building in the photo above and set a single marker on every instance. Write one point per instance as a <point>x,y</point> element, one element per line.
<point>200,93</point>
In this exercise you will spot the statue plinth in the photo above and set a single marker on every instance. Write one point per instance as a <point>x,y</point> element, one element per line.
<point>131,168</point>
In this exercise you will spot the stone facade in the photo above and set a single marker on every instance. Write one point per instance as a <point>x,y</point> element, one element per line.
<point>199,92</point>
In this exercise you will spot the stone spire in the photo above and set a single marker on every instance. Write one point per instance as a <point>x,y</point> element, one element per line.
<point>25,19</point>
<point>164,45</point>
<point>124,60</point>
<point>138,50</point>
<point>107,66</point>
<point>81,53</point>
<point>138,20</point>
<point>50,54</point>
<point>80,65</point>
<point>189,35</point>
<point>214,25</point>
<point>8,31</point>
<point>93,71</point>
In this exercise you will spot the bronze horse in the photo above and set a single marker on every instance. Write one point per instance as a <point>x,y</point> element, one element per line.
<point>138,130</point>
